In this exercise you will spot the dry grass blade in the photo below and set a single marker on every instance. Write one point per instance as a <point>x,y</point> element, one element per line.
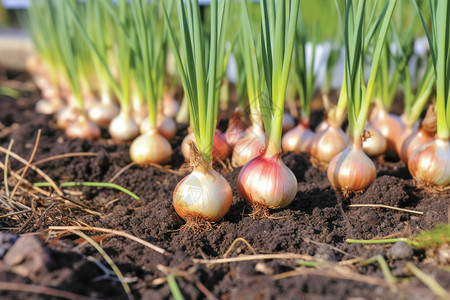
<point>39,171</point>
<point>42,290</point>
<point>121,172</point>
<point>17,177</point>
<point>113,232</point>
<point>33,153</point>
<point>254,257</point>
<point>235,242</point>
<point>387,207</point>
<point>5,170</point>
<point>428,281</point>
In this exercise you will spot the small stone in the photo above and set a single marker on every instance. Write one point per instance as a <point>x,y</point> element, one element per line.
<point>6,241</point>
<point>325,253</point>
<point>401,250</point>
<point>27,257</point>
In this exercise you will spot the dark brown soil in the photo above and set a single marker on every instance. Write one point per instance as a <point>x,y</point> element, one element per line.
<point>314,224</point>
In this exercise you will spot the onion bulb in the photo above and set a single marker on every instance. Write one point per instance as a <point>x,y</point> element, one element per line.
<point>351,170</point>
<point>104,112</point>
<point>150,147</point>
<point>204,195</point>
<point>166,126</point>
<point>48,106</point>
<point>288,122</point>
<point>66,116</point>
<point>236,128</point>
<point>249,146</point>
<point>391,126</point>
<point>266,183</point>
<point>298,139</point>
<point>123,127</point>
<point>326,144</point>
<point>322,126</point>
<point>374,143</point>
<point>220,150</point>
<point>82,128</point>
<point>170,106</point>
<point>429,164</point>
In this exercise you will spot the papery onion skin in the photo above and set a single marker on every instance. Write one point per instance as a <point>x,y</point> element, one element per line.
<point>266,181</point>
<point>166,126</point>
<point>82,128</point>
<point>170,106</point>
<point>66,116</point>
<point>326,144</point>
<point>375,144</point>
<point>298,139</point>
<point>236,128</point>
<point>409,130</point>
<point>48,106</point>
<point>322,126</point>
<point>103,113</point>
<point>351,170</point>
<point>220,151</point>
<point>429,164</point>
<point>413,141</point>
<point>248,147</point>
<point>202,195</point>
<point>123,127</point>
<point>288,122</point>
<point>150,147</point>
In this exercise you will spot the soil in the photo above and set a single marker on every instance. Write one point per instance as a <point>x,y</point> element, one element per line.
<point>317,223</point>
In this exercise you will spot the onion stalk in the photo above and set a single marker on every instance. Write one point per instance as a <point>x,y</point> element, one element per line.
<point>429,164</point>
<point>299,139</point>
<point>265,182</point>
<point>204,195</point>
<point>352,170</point>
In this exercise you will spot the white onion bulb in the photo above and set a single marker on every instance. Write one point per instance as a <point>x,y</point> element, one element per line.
<point>265,181</point>
<point>150,147</point>
<point>326,144</point>
<point>66,116</point>
<point>429,164</point>
<point>104,112</point>
<point>203,195</point>
<point>166,126</point>
<point>375,143</point>
<point>288,122</point>
<point>123,127</point>
<point>82,128</point>
<point>351,170</point>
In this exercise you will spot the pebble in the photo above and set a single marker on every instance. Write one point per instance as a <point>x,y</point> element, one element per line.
<point>325,253</point>
<point>401,250</point>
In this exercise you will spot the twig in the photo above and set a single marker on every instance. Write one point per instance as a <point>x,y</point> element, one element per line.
<point>253,257</point>
<point>5,170</point>
<point>39,171</point>
<point>113,232</point>
<point>15,213</point>
<point>239,239</point>
<point>121,172</point>
<point>107,259</point>
<point>388,207</point>
<point>428,281</point>
<point>38,289</point>
<point>33,153</point>
<point>17,177</point>
<point>179,173</point>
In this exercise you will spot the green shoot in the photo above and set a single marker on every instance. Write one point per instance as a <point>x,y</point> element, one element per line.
<point>277,39</point>
<point>201,69</point>
<point>176,293</point>
<point>428,280</point>
<point>359,94</point>
<point>92,184</point>
<point>438,41</point>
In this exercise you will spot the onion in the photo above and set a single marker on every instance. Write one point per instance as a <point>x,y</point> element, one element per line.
<point>123,127</point>
<point>236,128</point>
<point>430,165</point>
<point>104,112</point>
<point>351,170</point>
<point>170,106</point>
<point>220,150</point>
<point>322,126</point>
<point>409,130</point>
<point>140,109</point>
<point>326,144</point>
<point>249,146</point>
<point>288,122</point>
<point>266,183</point>
<point>82,128</point>
<point>48,106</point>
<point>166,126</point>
<point>391,126</point>
<point>374,143</point>
<point>150,147</point>
<point>298,139</point>
<point>204,195</point>
<point>65,116</point>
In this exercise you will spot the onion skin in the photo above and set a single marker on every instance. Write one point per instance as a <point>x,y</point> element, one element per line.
<point>413,141</point>
<point>298,139</point>
<point>123,127</point>
<point>265,181</point>
<point>66,116</point>
<point>391,126</point>
<point>236,128</point>
<point>170,106</point>
<point>288,122</point>
<point>82,128</point>
<point>375,144</point>
<point>326,144</point>
<point>103,113</point>
<point>249,146</point>
<point>409,130</point>
<point>220,151</point>
<point>351,170</point>
<point>430,165</point>
<point>166,126</point>
<point>150,147</point>
<point>322,126</point>
<point>203,195</point>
